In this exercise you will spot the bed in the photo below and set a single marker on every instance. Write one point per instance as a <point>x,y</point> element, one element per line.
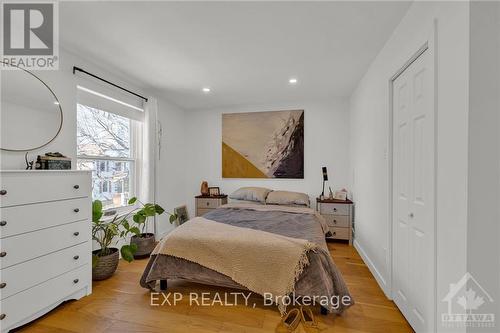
<point>320,278</point>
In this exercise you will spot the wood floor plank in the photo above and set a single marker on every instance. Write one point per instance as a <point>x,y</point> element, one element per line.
<point>119,304</point>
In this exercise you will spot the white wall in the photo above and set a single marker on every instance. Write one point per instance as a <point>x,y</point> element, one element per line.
<point>483,248</point>
<point>171,168</point>
<point>326,136</point>
<point>370,141</point>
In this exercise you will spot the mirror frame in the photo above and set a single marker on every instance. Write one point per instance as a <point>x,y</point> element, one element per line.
<point>56,100</point>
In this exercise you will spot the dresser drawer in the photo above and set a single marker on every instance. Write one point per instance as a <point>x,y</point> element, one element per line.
<point>27,303</point>
<point>202,211</point>
<point>29,273</point>
<point>39,186</point>
<point>208,203</point>
<point>337,220</point>
<point>334,209</point>
<point>339,233</point>
<point>35,244</point>
<point>26,218</point>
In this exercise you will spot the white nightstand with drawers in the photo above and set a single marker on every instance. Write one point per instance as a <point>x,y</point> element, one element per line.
<point>205,203</point>
<point>338,215</point>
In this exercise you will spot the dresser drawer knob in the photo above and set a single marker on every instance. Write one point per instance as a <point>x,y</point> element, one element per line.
<point>3,192</point>
<point>2,316</point>
<point>75,281</point>
<point>3,223</point>
<point>335,221</point>
<point>3,254</point>
<point>3,285</point>
<point>76,257</point>
<point>76,210</point>
<point>334,233</point>
<point>76,233</point>
<point>76,187</point>
<point>334,209</point>
<point>208,203</point>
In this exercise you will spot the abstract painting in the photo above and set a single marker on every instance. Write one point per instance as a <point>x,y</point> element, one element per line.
<point>263,144</point>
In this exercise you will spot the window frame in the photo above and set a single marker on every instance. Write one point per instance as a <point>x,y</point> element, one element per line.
<point>135,127</point>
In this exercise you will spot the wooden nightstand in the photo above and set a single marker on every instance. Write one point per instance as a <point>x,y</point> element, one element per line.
<point>338,215</point>
<point>205,203</point>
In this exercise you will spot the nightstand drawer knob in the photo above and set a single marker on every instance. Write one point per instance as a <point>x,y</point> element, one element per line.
<point>76,257</point>
<point>3,192</point>
<point>76,233</point>
<point>208,203</point>
<point>334,209</point>
<point>75,281</point>
<point>76,187</point>
<point>2,316</point>
<point>335,221</point>
<point>76,210</point>
<point>3,223</point>
<point>334,233</point>
<point>3,285</point>
<point>3,254</point>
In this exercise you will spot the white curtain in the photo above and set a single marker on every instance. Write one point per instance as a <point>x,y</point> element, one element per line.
<point>148,152</point>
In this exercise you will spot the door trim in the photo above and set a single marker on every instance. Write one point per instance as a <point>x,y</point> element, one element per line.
<point>429,45</point>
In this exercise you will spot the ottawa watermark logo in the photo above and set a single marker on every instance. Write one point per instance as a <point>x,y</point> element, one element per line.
<point>30,33</point>
<point>465,300</point>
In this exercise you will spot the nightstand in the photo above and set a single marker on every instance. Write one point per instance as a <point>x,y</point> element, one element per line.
<point>205,203</point>
<point>338,215</point>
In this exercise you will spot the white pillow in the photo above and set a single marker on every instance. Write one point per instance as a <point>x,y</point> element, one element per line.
<point>258,194</point>
<point>287,198</point>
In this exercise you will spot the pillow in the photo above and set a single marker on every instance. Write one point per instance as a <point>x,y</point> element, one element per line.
<point>250,194</point>
<point>287,198</point>
<point>236,201</point>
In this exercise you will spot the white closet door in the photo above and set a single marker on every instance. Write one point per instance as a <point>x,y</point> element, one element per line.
<point>413,223</point>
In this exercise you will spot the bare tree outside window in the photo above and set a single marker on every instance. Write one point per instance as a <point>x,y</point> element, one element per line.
<point>104,146</point>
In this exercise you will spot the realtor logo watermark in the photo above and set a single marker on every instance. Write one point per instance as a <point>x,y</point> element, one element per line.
<point>465,300</point>
<point>30,33</point>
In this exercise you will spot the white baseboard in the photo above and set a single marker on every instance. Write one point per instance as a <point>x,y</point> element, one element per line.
<point>375,272</point>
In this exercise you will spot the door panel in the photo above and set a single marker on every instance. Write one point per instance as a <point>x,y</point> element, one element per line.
<point>413,181</point>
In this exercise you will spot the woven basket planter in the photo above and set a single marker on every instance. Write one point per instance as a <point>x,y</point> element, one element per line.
<point>145,245</point>
<point>106,265</point>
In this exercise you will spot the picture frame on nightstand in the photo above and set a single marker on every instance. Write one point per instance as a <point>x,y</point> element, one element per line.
<point>213,191</point>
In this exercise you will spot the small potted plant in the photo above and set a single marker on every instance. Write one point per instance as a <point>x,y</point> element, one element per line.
<point>144,241</point>
<point>105,232</point>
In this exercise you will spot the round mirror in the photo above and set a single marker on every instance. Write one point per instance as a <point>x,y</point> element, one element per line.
<point>30,114</point>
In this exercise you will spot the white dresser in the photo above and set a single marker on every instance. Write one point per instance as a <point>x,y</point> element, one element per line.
<point>45,242</point>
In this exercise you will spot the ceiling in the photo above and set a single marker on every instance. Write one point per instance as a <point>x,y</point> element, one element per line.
<point>244,51</point>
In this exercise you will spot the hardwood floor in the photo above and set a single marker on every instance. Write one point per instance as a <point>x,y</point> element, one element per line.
<point>120,305</point>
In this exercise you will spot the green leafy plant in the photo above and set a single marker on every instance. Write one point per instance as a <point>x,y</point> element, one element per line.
<point>142,214</point>
<point>104,232</point>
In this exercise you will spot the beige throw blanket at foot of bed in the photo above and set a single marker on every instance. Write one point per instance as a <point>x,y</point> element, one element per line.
<point>261,261</point>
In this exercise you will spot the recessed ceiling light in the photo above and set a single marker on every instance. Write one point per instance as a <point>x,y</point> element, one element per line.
<point>206,90</point>
<point>292,81</point>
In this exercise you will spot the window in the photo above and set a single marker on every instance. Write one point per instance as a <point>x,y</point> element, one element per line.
<point>105,145</point>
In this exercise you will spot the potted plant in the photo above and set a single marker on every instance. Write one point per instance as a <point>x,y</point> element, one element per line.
<point>144,241</point>
<point>105,232</point>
